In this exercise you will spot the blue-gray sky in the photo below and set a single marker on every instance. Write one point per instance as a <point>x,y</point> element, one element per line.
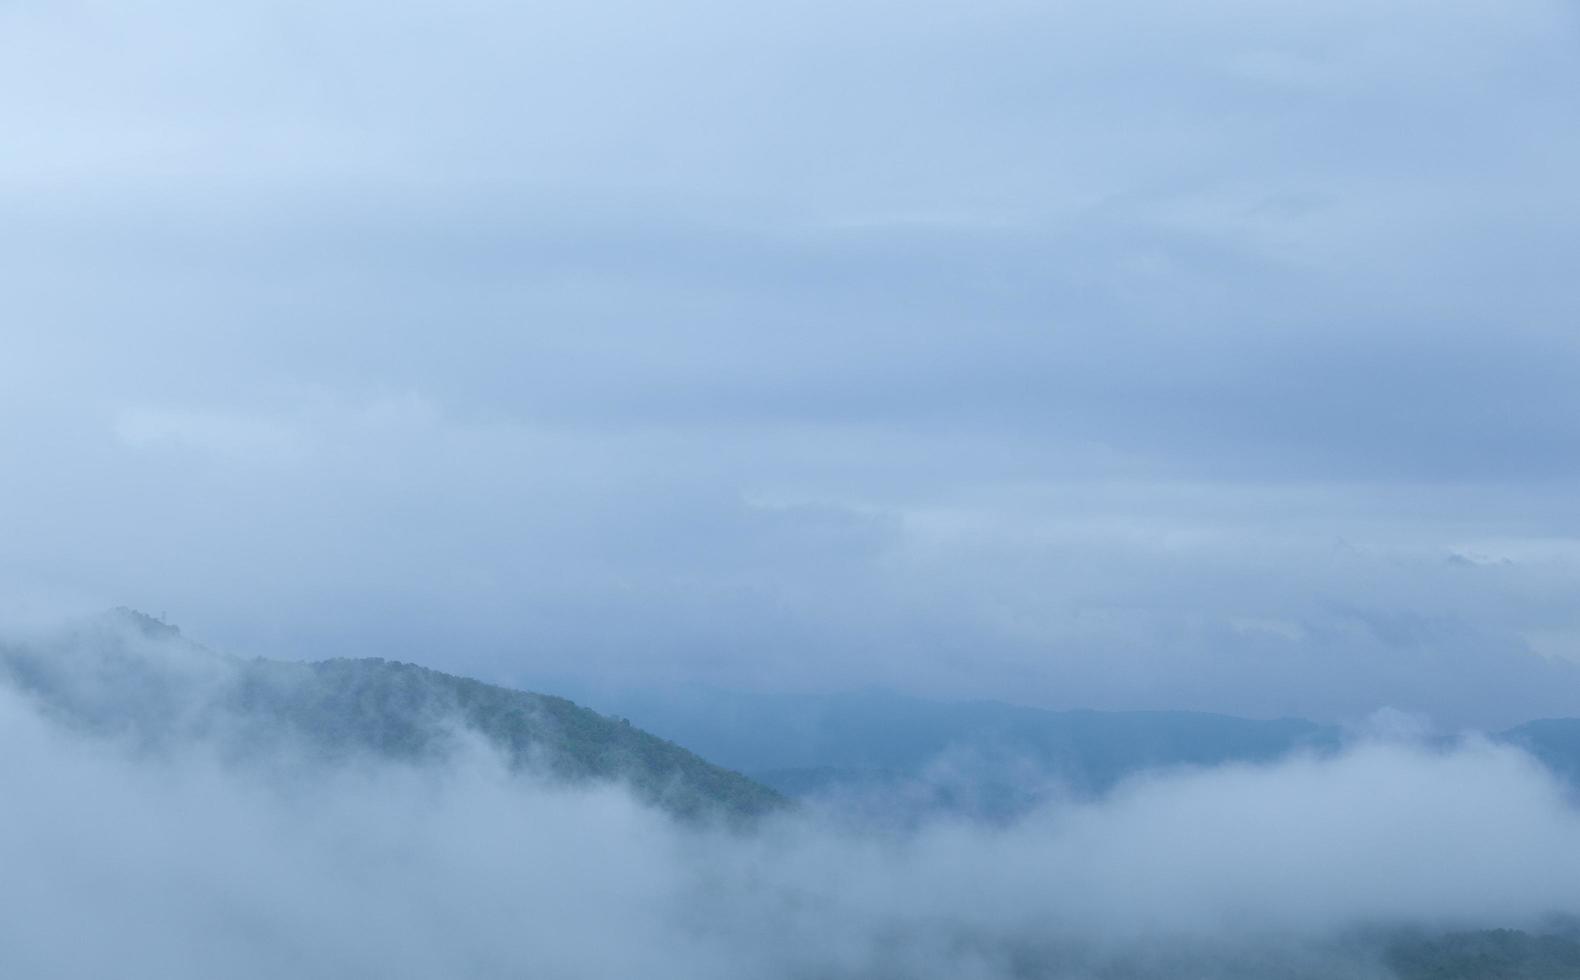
<point>1132,354</point>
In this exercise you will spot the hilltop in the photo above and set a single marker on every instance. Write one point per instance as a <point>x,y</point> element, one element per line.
<point>129,675</point>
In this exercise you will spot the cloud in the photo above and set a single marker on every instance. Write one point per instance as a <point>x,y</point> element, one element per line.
<point>567,555</point>
<point>240,439</point>
<point>174,865</point>
<point>1025,347</point>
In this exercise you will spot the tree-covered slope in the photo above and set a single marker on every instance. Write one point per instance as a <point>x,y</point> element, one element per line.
<point>136,678</point>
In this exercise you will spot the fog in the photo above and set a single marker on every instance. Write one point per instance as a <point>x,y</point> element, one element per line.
<point>1124,355</point>
<point>173,863</point>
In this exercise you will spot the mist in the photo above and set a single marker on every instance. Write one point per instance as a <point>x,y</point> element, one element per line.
<point>171,859</point>
<point>797,490</point>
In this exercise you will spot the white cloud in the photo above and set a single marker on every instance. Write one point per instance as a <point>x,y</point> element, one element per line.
<point>171,866</point>
<point>1093,332</point>
<point>230,437</point>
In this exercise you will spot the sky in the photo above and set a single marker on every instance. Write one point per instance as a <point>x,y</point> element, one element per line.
<point>1121,355</point>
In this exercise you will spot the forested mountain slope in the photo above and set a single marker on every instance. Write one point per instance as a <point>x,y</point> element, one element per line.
<point>128,675</point>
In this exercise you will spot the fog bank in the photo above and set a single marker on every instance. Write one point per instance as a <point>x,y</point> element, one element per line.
<point>172,865</point>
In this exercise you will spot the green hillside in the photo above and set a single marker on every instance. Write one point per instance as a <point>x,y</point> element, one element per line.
<point>128,675</point>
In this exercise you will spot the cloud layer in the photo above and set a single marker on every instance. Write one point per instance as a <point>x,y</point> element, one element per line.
<point>174,865</point>
<point>1126,357</point>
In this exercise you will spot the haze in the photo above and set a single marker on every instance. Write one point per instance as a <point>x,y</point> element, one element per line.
<point>1125,355</point>
<point>988,490</point>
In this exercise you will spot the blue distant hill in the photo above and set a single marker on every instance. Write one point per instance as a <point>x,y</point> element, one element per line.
<point>910,757</point>
<point>883,755</point>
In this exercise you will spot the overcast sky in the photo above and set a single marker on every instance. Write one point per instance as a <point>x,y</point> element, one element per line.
<point>1221,355</point>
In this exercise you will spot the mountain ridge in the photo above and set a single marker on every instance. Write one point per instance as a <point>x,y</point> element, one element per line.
<point>127,674</point>
<point>994,758</point>
<point>742,755</point>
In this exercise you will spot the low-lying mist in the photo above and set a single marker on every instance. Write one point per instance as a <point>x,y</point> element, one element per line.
<point>123,862</point>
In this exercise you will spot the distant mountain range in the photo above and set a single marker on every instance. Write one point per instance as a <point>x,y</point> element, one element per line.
<point>907,757</point>
<point>881,755</point>
<point>129,675</point>
<point>1491,954</point>
<point>1554,741</point>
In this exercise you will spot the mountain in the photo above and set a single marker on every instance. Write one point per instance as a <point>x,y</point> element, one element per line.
<point>1371,953</point>
<point>1555,741</point>
<point>875,754</point>
<point>1492,954</point>
<point>128,675</point>
<point>983,758</point>
<point>896,756</point>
